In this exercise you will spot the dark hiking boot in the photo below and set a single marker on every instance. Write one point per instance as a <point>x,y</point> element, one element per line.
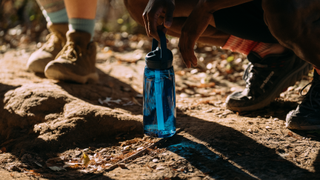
<point>76,61</point>
<point>307,114</point>
<point>265,79</point>
<point>55,42</point>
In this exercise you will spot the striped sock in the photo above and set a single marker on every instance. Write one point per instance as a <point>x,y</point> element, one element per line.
<point>86,25</point>
<point>60,16</point>
<point>246,46</point>
<point>264,49</point>
<point>239,45</point>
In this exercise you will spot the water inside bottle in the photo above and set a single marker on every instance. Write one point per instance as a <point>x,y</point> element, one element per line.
<point>150,121</point>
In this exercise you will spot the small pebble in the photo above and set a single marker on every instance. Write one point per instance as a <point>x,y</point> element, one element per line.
<point>126,147</point>
<point>183,95</point>
<point>194,71</point>
<point>160,168</point>
<point>140,148</point>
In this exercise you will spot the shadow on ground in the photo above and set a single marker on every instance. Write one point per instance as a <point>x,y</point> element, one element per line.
<point>235,156</point>
<point>227,153</point>
<point>277,109</point>
<point>108,86</point>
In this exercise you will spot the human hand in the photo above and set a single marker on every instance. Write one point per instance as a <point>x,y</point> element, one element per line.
<point>158,13</point>
<point>195,25</point>
<point>186,45</point>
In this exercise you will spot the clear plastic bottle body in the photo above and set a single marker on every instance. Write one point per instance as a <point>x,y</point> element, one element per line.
<point>159,103</point>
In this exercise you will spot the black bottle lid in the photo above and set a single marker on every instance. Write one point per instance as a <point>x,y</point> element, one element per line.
<point>159,58</point>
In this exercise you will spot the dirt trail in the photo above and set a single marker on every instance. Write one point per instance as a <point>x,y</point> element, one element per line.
<point>46,125</point>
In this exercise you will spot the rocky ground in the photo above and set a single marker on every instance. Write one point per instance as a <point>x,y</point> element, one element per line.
<point>62,130</point>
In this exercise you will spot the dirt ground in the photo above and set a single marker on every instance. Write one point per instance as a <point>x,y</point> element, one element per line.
<point>63,130</point>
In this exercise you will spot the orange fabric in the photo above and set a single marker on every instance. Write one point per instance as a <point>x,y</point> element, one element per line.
<point>263,49</point>
<point>240,45</point>
<point>245,46</point>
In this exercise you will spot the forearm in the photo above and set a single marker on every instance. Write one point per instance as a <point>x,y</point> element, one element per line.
<point>196,24</point>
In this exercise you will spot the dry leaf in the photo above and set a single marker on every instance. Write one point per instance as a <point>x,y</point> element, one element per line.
<point>135,101</point>
<point>55,164</point>
<point>294,136</point>
<point>86,159</point>
<point>3,150</point>
<point>57,168</point>
<point>207,85</point>
<point>109,100</point>
<point>32,172</point>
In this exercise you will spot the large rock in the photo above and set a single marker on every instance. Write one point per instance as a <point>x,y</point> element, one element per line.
<point>49,116</point>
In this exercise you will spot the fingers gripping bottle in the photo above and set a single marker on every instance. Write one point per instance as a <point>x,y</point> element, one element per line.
<point>159,96</point>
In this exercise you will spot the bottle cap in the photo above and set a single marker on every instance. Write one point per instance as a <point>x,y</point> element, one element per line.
<point>159,58</point>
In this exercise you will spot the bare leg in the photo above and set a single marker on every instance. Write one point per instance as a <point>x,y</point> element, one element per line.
<point>57,22</point>
<point>82,15</point>
<point>51,5</point>
<point>54,11</point>
<point>81,8</point>
<point>76,61</point>
<point>183,9</point>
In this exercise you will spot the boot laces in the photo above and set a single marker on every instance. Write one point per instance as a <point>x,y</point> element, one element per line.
<point>71,52</point>
<point>311,100</point>
<point>52,40</point>
<point>255,74</point>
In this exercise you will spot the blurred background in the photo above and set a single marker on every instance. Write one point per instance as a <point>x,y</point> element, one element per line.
<point>21,21</point>
<point>23,27</point>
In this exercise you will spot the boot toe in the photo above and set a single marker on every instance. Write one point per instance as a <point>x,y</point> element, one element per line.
<point>38,61</point>
<point>65,70</point>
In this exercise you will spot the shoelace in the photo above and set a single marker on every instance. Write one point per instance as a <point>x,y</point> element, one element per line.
<point>50,40</point>
<point>311,99</point>
<point>71,52</point>
<point>253,69</point>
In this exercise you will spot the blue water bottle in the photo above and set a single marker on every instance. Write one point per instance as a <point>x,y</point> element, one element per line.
<point>159,95</point>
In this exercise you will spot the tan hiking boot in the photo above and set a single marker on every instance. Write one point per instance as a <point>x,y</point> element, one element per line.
<point>76,61</point>
<point>55,42</point>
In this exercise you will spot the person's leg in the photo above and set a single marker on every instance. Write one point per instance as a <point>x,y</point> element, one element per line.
<point>296,25</point>
<point>212,35</point>
<point>245,21</point>
<point>271,70</point>
<point>57,22</point>
<point>259,53</point>
<point>81,15</point>
<point>76,61</point>
<point>182,10</point>
<point>54,11</point>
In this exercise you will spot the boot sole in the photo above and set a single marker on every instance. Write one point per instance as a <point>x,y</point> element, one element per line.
<point>67,76</point>
<point>293,123</point>
<point>291,78</point>
<point>296,126</point>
